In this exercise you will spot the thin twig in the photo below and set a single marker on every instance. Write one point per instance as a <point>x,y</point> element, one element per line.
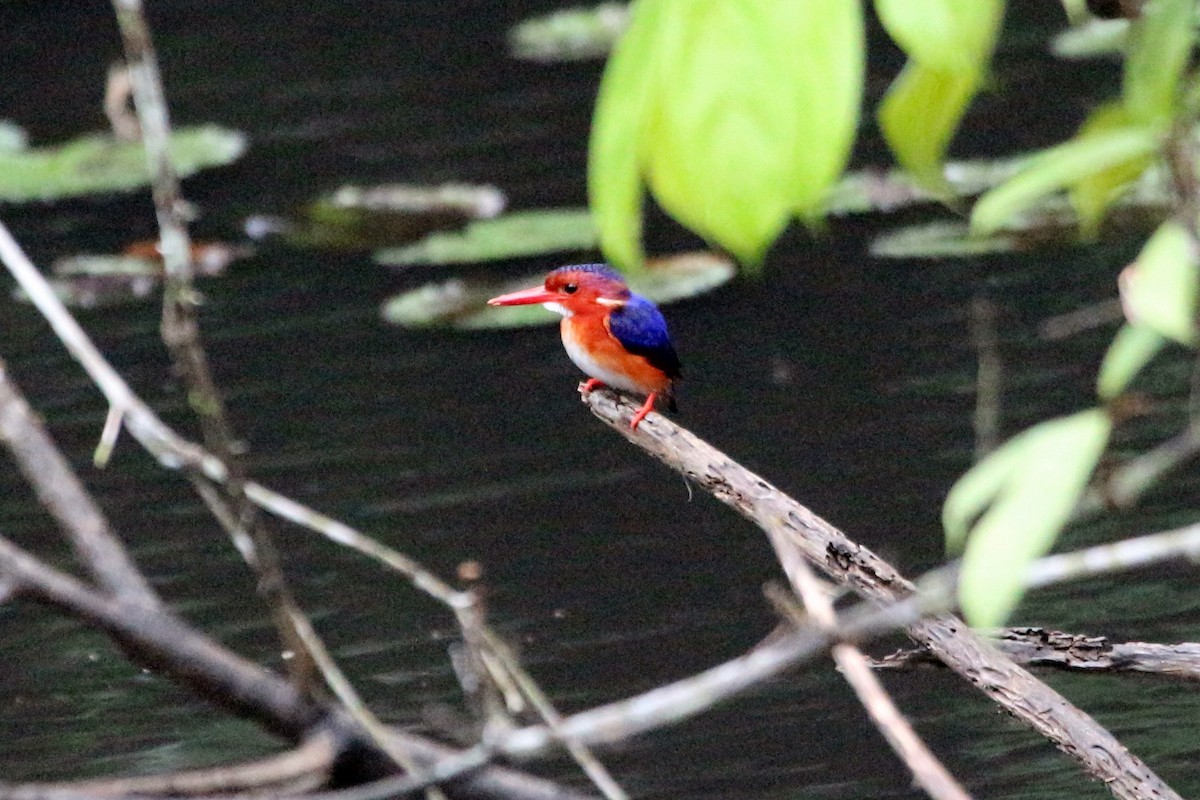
<point>302,769</point>
<point>927,770</point>
<point>579,751</point>
<point>335,679</point>
<point>181,329</point>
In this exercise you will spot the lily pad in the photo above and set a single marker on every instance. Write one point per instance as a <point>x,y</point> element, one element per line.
<point>1052,223</point>
<point>459,303</point>
<point>883,190</point>
<point>98,163</point>
<point>572,34</point>
<point>514,235</point>
<point>1092,39</point>
<point>96,281</point>
<point>358,218</point>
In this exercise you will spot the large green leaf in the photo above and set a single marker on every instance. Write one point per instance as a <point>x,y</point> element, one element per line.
<point>1026,491</point>
<point>1159,289</point>
<point>1060,167</point>
<point>1132,348</point>
<point>1160,46</point>
<point>949,45</point>
<point>736,113</point>
<point>826,69</point>
<point>717,144</point>
<point>614,182</point>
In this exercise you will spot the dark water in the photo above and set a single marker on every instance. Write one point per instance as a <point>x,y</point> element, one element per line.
<point>845,380</point>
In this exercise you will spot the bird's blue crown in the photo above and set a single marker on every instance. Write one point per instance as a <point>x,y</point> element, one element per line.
<point>601,270</point>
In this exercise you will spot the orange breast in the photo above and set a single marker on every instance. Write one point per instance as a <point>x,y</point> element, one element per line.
<point>598,353</point>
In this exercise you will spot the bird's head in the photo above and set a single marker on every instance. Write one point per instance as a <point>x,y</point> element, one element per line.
<point>578,289</point>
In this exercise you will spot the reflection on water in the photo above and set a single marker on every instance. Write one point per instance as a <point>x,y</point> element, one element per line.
<point>844,380</point>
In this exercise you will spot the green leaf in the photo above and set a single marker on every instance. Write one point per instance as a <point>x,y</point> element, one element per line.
<point>736,115</point>
<point>1092,195</point>
<point>1159,289</point>
<point>614,182</point>
<point>949,45</point>
<point>1160,46</point>
<point>98,163</point>
<point>515,235</point>
<point>1132,348</point>
<point>826,69</point>
<point>716,145</point>
<point>1059,167</point>
<point>1028,488</point>
<point>943,34</point>
<point>919,116</point>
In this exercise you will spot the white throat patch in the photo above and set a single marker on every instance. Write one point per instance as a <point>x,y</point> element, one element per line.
<point>559,308</point>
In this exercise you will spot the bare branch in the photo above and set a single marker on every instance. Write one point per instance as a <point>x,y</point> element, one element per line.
<point>949,638</point>
<point>59,490</point>
<point>303,769</point>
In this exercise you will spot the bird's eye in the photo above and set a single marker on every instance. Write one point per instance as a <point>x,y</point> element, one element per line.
<point>571,288</point>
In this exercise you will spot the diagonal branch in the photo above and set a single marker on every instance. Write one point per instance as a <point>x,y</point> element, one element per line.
<point>848,563</point>
<point>60,492</point>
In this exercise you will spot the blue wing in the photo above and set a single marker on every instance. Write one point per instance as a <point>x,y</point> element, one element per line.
<point>641,329</point>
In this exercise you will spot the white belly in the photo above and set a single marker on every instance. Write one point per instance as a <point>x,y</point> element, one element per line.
<point>594,369</point>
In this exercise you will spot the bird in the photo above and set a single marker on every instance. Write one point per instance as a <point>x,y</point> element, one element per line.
<point>618,338</point>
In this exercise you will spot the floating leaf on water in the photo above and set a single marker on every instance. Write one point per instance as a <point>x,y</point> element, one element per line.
<point>93,281</point>
<point>572,34</point>
<point>368,217</point>
<point>1052,223</point>
<point>462,304</point>
<point>96,281</point>
<point>514,235</point>
<point>208,258</point>
<point>941,240</point>
<point>1092,39</point>
<point>98,163</point>
<point>883,190</point>
<point>471,200</point>
<point>13,138</point>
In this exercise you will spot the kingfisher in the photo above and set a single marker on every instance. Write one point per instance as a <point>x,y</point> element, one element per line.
<point>616,337</point>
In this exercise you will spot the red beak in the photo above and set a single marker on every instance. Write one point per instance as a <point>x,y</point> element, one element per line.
<point>524,297</point>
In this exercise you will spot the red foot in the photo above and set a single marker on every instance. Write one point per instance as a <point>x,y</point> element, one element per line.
<point>589,384</point>
<point>646,408</point>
